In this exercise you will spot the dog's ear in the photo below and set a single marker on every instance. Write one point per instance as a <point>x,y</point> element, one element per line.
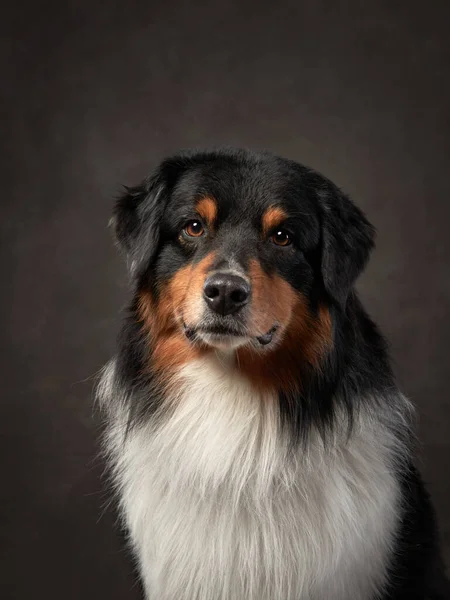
<point>136,221</point>
<point>347,239</point>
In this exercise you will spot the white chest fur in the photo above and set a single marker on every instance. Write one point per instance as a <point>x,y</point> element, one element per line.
<point>218,509</point>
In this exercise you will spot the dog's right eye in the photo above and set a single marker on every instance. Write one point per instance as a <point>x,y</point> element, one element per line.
<point>194,228</point>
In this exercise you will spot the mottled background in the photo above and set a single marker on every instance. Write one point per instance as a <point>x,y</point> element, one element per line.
<point>93,94</point>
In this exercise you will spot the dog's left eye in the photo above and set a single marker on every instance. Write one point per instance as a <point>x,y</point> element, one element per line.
<point>194,229</point>
<point>281,238</point>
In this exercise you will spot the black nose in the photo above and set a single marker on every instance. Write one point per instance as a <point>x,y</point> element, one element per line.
<point>226,293</point>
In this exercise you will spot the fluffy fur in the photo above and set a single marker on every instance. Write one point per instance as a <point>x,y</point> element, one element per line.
<point>264,454</point>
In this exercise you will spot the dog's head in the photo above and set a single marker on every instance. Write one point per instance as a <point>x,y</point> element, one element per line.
<point>240,251</point>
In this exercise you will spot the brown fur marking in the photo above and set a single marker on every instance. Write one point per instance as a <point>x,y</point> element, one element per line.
<point>305,337</point>
<point>179,300</point>
<point>273,217</point>
<point>207,209</point>
<point>272,299</point>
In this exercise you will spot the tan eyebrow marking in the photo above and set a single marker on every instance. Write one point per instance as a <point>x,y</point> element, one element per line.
<point>273,217</point>
<point>207,209</point>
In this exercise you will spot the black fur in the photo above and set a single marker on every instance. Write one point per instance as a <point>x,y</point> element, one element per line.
<point>333,240</point>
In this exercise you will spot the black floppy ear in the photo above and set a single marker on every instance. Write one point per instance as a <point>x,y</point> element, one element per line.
<point>347,239</point>
<point>136,221</point>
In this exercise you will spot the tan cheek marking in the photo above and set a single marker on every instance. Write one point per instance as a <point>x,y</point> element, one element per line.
<point>305,337</point>
<point>273,299</point>
<point>207,209</point>
<point>181,296</point>
<point>177,290</point>
<point>160,316</point>
<point>170,348</point>
<point>308,336</point>
<point>273,217</point>
<point>192,304</point>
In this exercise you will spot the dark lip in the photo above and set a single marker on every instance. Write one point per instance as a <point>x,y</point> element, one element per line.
<point>223,331</point>
<point>218,329</point>
<point>267,337</point>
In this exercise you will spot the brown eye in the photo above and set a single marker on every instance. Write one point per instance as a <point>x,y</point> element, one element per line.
<point>194,229</point>
<point>281,238</point>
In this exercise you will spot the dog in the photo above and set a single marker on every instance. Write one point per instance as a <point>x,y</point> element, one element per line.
<point>258,443</point>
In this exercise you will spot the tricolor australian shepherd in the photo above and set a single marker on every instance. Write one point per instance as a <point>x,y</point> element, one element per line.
<point>259,444</point>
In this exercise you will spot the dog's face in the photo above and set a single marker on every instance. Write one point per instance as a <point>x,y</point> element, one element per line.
<point>240,251</point>
<point>232,263</point>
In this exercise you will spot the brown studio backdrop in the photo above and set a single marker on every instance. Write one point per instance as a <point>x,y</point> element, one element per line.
<point>93,94</point>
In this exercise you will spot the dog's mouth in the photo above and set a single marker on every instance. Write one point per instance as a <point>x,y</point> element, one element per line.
<point>226,336</point>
